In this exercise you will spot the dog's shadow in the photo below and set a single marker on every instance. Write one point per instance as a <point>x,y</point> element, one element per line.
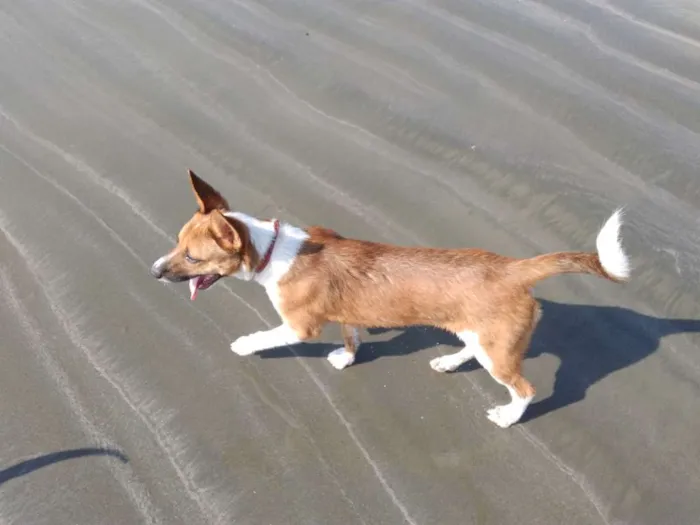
<point>591,343</point>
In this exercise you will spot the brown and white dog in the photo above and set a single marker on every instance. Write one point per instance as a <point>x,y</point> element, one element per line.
<point>314,276</point>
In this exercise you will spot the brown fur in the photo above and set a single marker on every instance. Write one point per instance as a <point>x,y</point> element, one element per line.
<point>366,284</point>
<point>219,244</point>
<point>348,338</point>
<point>377,285</point>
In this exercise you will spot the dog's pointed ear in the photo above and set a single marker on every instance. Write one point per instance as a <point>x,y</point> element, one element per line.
<point>207,197</point>
<point>228,232</point>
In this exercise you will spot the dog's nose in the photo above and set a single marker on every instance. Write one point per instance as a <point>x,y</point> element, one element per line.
<point>158,268</point>
<point>156,271</point>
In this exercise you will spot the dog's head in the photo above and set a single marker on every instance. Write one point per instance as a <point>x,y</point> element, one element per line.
<point>211,245</point>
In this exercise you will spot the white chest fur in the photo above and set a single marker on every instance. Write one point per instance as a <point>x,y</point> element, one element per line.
<point>287,245</point>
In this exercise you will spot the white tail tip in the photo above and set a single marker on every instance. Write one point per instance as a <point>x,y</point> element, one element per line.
<point>612,256</point>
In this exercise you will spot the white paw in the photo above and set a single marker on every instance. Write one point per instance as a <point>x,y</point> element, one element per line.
<point>446,363</point>
<point>341,358</point>
<point>504,415</point>
<point>244,345</point>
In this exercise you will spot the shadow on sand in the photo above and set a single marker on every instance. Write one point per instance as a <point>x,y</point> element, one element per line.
<point>30,465</point>
<point>591,342</point>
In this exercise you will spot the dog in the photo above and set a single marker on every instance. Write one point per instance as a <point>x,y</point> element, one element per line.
<point>315,276</point>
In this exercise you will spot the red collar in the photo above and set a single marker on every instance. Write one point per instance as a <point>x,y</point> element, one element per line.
<point>266,259</point>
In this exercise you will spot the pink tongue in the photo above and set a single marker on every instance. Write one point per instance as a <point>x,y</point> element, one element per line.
<point>194,286</point>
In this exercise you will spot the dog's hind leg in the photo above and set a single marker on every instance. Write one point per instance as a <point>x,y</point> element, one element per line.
<point>521,393</point>
<point>345,356</point>
<point>451,362</point>
<point>503,359</point>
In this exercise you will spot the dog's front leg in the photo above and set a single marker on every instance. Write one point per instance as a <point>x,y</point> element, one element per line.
<point>280,336</point>
<point>345,356</point>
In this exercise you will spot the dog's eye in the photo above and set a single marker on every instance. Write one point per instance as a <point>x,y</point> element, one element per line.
<point>190,259</point>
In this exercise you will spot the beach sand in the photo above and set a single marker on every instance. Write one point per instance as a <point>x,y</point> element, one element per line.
<point>515,126</point>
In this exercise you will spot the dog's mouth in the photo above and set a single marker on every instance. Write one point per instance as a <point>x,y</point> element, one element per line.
<point>201,282</point>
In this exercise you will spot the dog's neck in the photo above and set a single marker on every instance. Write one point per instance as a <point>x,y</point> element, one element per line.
<point>287,243</point>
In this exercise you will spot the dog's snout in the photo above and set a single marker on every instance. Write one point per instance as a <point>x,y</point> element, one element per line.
<point>156,271</point>
<point>158,268</point>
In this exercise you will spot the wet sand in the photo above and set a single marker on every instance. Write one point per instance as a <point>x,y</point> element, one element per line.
<point>516,126</point>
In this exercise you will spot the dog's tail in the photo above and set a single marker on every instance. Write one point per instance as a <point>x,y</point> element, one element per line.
<point>610,261</point>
